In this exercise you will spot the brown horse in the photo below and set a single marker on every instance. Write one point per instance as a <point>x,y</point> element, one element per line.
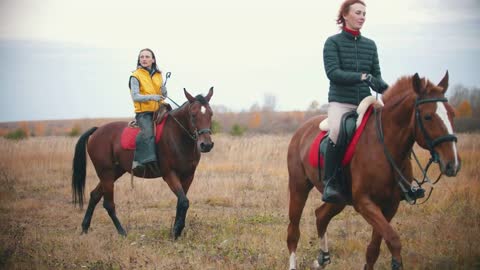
<point>186,133</point>
<point>415,110</point>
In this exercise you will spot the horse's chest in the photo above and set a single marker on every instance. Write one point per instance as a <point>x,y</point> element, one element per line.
<point>186,166</point>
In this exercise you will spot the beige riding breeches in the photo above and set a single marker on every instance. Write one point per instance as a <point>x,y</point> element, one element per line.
<point>335,113</point>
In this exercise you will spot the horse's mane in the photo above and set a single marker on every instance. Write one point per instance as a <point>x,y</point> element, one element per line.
<point>201,99</point>
<point>399,91</point>
<point>403,88</point>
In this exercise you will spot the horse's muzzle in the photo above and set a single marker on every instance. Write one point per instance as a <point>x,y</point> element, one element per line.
<point>450,169</point>
<point>206,147</point>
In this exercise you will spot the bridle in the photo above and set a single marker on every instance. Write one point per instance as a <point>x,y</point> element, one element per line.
<point>196,132</point>
<point>428,140</point>
<point>411,192</point>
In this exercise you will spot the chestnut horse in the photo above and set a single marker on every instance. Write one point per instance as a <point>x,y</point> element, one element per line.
<point>186,133</point>
<point>415,111</point>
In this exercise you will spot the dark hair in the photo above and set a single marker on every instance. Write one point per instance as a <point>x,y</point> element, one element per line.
<point>154,65</point>
<point>344,9</point>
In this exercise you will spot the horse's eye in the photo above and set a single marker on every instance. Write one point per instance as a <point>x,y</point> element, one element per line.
<point>427,117</point>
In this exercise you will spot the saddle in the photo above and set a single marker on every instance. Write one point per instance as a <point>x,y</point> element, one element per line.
<point>351,127</point>
<point>345,133</point>
<point>157,116</point>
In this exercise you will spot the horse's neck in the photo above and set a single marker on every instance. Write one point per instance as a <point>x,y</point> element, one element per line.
<point>179,124</point>
<point>182,115</point>
<point>398,125</point>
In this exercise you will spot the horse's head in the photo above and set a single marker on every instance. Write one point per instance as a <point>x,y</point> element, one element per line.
<point>434,123</point>
<point>201,119</point>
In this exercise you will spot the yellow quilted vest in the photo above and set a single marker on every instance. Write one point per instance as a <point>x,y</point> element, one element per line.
<point>149,85</point>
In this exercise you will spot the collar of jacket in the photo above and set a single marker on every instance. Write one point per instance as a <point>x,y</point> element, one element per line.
<point>151,72</point>
<point>350,35</point>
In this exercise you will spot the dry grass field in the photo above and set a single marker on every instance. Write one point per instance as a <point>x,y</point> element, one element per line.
<point>237,217</point>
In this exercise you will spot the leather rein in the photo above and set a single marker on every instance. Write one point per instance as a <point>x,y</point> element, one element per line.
<point>413,192</point>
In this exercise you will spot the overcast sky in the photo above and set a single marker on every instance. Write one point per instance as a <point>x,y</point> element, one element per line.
<point>72,59</point>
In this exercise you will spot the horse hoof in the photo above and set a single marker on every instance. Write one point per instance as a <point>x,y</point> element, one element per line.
<point>323,259</point>
<point>174,235</point>
<point>176,232</point>
<point>84,232</point>
<point>316,265</point>
<point>396,264</point>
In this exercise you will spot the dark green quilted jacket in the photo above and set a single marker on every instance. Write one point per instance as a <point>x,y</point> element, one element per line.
<point>345,58</point>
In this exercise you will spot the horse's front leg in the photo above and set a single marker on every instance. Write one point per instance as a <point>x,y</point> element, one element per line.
<point>373,249</point>
<point>373,215</point>
<point>182,203</point>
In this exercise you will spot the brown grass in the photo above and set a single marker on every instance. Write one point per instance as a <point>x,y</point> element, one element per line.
<point>237,219</point>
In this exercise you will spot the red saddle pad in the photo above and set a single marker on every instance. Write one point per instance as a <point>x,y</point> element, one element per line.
<point>129,134</point>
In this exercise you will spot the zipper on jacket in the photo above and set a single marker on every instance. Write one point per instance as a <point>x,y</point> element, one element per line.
<point>356,61</point>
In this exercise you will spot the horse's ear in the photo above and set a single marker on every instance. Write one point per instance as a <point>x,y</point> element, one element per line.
<point>209,95</point>
<point>444,82</point>
<point>189,97</point>
<point>417,83</point>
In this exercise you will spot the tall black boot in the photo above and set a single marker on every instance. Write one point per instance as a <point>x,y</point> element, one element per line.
<point>332,191</point>
<point>145,153</point>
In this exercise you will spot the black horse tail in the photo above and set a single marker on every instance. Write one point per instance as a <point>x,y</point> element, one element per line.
<point>79,168</point>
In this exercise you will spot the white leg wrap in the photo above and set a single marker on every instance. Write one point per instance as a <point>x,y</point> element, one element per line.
<point>324,243</point>
<point>293,261</point>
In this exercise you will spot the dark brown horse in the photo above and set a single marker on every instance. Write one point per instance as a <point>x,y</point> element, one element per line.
<point>415,111</point>
<point>186,133</point>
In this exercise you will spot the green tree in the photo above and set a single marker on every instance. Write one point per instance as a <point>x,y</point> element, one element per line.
<point>17,134</point>
<point>74,132</point>
<point>216,127</point>
<point>237,130</point>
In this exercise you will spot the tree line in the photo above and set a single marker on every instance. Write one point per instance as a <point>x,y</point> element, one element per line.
<point>259,119</point>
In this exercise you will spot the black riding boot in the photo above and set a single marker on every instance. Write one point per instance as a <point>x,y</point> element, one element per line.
<point>145,142</point>
<point>332,191</point>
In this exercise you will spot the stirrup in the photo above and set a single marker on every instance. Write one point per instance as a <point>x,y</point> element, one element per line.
<point>138,168</point>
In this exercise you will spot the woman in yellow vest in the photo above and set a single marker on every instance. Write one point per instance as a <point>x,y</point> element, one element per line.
<point>148,93</point>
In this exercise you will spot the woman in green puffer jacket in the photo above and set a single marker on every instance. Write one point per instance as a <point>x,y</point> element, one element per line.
<point>352,66</point>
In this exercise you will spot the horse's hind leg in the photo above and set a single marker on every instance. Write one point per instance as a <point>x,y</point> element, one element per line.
<point>324,214</point>
<point>107,179</point>
<point>95,197</point>
<point>299,189</point>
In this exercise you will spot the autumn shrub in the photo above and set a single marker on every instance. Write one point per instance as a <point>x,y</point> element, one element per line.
<point>74,132</point>
<point>237,130</point>
<point>216,127</point>
<point>17,134</point>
